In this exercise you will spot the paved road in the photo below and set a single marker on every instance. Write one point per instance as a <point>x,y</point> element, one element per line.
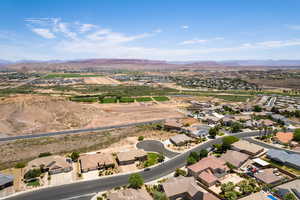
<point>267,146</point>
<point>156,146</point>
<point>38,135</point>
<point>79,189</point>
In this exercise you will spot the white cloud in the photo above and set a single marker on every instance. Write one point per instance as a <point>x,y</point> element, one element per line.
<point>45,33</point>
<point>63,28</point>
<point>87,27</point>
<point>77,40</point>
<point>199,41</point>
<point>272,44</point>
<point>193,41</point>
<point>185,27</point>
<point>294,27</point>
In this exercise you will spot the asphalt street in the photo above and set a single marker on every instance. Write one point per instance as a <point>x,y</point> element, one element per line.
<point>156,146</point>
<point>103,128</point>
<point>78,190</point>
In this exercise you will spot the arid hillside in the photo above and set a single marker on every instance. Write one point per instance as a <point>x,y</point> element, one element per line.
<point>26,114</point>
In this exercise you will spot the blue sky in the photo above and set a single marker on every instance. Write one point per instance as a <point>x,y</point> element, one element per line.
<point>174,30</point>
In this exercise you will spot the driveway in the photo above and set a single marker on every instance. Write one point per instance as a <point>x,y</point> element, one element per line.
<point>156,146</point>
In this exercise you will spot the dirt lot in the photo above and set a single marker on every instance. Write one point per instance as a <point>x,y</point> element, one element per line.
<point>36,114</point>
<point>113,141</point>
<point>100,80</point>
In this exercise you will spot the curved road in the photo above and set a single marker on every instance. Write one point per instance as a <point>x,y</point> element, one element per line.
<point>156,146</point>
<point>86,188</point>
<point>76,131</point>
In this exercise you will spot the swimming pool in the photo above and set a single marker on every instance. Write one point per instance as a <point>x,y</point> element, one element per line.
<point>271,197</point>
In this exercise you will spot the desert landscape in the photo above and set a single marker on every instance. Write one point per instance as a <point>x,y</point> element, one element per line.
<point>29,114</point>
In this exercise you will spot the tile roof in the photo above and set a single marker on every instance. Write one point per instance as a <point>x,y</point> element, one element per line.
<point>267,176</point>
<point>208,176</point>
<point>208,162</point>
<point>131,155</point>
<point>129,194</point>
<point>235,158</point>
<point>51,162</point>
<point>181,185</point>
<point>91,161</point>
<point>180,138</point>
<point>247,146</point>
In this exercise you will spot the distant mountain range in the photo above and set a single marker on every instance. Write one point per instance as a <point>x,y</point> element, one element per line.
<point>136,64</point>
<point>244,62</point>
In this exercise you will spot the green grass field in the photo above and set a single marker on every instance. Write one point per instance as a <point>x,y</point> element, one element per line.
<point>69,75</point>
<point>109,100</point>
<point>126,100</point>
<point>84,99</point>
<point>161,98</point>
<point>151,159</point>
<point>142,99</point>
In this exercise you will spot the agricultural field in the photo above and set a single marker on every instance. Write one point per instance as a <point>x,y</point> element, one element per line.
<point>161,98</point>
<point>70,75</point>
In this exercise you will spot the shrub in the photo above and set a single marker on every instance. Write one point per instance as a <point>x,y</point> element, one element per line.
<point>180,172</point>
<point>141,138</point>
<point>257,108</point>
<point>191,160</point>
<point>160,158</point>
<point>297,135</point>
<point>20,165</point>
<point>135,181</point>
<point>159,196</point>
<point>289,196</point>
<point>74,156</point>
<point>203,153</point>
<point>45,154</point>
<point>33,173</point>
<point>236,127</point>
<point>213,132</point>
<point>228,140</point>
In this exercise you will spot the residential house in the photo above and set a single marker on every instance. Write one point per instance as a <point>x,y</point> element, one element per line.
<point>197,131</point>
<point>185,188</point>
<point>208,170</point>
<point>289,159</point>
<point>290,187</point>
<point>284,137</point>
<point>90,162</point>
<point>235,158</point>
<point>180,139</point>
<point>268,176</point>
<point>258,196</point>
<point>247,147</point>
<point>227,121</point>
<point>266,122</point>
<point>129,194</point>
<point>6,181</point>
<point>210,120</point>
<point>52,164</point>
<point>173,125</point>
<point>129,157</point>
